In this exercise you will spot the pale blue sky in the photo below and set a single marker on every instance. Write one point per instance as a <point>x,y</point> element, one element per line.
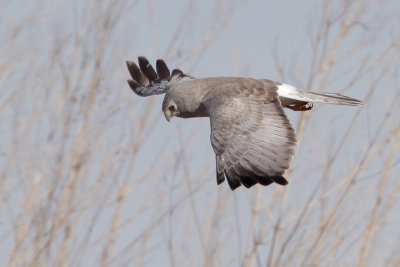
<point>243,45</point>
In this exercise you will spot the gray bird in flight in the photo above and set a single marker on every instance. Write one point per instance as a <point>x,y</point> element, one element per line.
<point>252,138</point>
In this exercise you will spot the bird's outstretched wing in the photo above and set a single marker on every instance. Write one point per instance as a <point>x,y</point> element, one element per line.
<point>252,139</point>
<point>146,81</point>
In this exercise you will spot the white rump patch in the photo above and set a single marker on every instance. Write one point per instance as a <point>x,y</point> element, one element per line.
<point>291,92</point>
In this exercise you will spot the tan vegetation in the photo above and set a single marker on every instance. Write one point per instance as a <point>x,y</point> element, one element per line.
<point>92,175</point>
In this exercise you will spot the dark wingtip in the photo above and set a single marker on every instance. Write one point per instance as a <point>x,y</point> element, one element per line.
<point>220,178</point>
<point>136,87</point>
<point>142,59</point>
<point>264,180</point>
<point>233,180</point>
<point>130,82</point>
<point>133,70</point>
<point>162,69</point>
<point>233,186</point>
<point>248,181</point>
<point>279,180</point>
<point>147,69</point>
<point>177,72</point>
<point>133,84</point>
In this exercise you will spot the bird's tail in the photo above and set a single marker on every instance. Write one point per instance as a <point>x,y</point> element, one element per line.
<point>291,93</point>
<point>330,98</point>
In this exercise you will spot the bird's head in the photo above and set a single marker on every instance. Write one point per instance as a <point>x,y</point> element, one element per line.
<point>171,106</point>
<point>170,109</point>
<point>179,100</point>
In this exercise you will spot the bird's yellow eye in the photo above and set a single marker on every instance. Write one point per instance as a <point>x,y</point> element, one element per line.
<point>171,108</point>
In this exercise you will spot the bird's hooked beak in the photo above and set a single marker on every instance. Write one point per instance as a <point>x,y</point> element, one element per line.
<point>169,110</point>
<point>168,115</point>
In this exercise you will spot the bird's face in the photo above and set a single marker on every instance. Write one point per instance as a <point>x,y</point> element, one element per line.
<point>170,109</point>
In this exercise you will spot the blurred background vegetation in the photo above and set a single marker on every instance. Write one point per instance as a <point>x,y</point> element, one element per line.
<point>91,174</point>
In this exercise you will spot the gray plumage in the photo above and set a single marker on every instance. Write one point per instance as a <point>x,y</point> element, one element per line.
<point>251,136</point>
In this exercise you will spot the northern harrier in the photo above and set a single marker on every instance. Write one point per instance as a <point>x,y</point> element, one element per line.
<point>251,136</point>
